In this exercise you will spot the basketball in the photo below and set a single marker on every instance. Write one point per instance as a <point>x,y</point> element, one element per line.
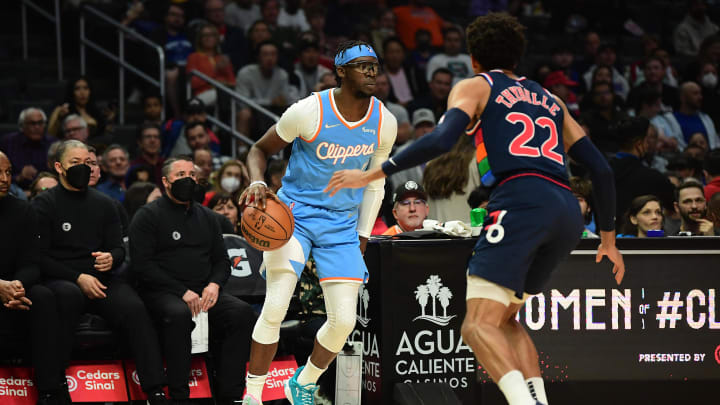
<point>269,229</point>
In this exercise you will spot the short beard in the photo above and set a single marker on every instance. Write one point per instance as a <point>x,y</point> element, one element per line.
<point>360,94</point>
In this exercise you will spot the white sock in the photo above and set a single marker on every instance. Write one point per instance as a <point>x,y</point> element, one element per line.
<point>537,389</point>
<point>255,385</point>
<point>516,391</point>
<point>309,374</point>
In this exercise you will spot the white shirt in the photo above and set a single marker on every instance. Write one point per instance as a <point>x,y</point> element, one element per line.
<point>301,120</point>
<point>241,17</point>
<point>296,21</point>
<point>400,86</point>
<point>460,65</point>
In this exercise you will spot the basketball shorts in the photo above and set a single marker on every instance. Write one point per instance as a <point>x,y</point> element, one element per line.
<point>532,225</point>
<point>330,236</point>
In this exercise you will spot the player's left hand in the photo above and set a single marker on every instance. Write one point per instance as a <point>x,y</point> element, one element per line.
<point>612,253</point>
<point>346,179</point>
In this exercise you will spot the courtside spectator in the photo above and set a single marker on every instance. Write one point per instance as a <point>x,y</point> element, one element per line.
<point>198,137</point>
<point>308,71</point>
<point>423,123</point>
<point>43,182</point>
<point>28,308</point>
<point>714,212</point>
<point>694,28</point>
<point>644,214</point>
<point>174,142</point>
<point>232,178</point>
<point>690,203</point>
<point>174,40</point>
<point>75,127</point>
<point>179,255</point>
<point>203,159</point>
<point>582,190</point>
<point>406,82</point>
<point>632,178</point>
<point>116,162</point>
<point>79,99</point>
<point>712,173</point>
<point>208,60</point>
<point>410,208</point>
<point>452,58</point>
<point>80,245</point>
<point>139,194</point>
<point>688,119</point>
<point>27,148</point>
<point>654,72</point>
<point>264,83</point>
<point>227,206</point>
<point>415,16</point>
<point>436,99</point>
<point>601,115</point>
<point>273,176</point>
<point>606,56</point>
<point>449,179</point>
<point>479,198</point>
<point>241,13</point>
<point>152,109</point>
<point>231,39</point>
<point>382,92</point>
<point>149,143</point>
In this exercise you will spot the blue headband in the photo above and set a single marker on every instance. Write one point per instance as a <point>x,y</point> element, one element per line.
<point>354,52</point>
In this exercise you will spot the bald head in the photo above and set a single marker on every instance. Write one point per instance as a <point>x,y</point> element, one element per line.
<point>690,97</point>
<point>5,175</point>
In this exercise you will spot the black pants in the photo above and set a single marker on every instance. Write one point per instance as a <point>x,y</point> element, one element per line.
<point>230,322</point>
<point>41,324</point>
<point>126,313</point>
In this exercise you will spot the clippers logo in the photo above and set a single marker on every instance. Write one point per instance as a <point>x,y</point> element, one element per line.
<point>363,302</point>
<point>176,235</point>
<point>433,288</point>
<point>72,383</point>
<point>67,226</point>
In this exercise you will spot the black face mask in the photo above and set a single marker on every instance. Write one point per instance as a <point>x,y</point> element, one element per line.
<point>78,176</point>
<point>183,189</point>
<point>199,193</point>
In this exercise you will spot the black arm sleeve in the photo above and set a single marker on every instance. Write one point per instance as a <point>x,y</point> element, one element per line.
<point>49,267</point>
<point>584,152</point>
<point>220,261</point>
<point>142,248</point>
<point>434,144</point>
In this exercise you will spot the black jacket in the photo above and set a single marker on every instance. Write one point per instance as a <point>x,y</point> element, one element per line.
<point>18,241</point>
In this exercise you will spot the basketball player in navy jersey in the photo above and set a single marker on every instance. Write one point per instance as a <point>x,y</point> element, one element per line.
<point>339,128</point>
<point>534,220</point>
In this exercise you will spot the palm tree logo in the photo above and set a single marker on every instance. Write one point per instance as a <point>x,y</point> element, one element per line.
<point>433,288</point>
<point>363,303</point>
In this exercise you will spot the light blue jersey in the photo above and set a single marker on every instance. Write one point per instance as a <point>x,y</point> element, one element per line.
<point>335,146</point>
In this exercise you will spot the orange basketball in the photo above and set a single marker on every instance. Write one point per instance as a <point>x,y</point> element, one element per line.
<point>269,229</point>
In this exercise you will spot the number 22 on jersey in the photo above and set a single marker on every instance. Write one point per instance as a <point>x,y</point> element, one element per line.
<point>518,146</point>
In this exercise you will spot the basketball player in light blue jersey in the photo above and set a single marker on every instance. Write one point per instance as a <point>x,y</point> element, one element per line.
<point>339,128</point>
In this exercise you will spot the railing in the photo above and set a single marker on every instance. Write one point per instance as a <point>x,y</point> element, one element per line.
<point>234,98</point>
<point>120,58</point>
<point>53,19</point>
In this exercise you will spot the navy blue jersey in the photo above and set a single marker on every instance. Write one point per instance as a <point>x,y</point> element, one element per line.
<point>521,128</point>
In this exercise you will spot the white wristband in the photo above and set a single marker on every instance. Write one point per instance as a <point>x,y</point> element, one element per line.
<point>258,182</point>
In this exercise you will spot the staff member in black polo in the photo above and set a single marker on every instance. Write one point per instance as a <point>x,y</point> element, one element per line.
<point>80,245</point>
<point>178,253</point>
<point>28,308</point>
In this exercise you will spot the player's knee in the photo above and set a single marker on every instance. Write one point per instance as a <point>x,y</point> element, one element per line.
<point>344,323</point>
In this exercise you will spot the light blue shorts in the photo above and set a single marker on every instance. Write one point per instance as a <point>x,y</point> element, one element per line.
<point>331,237</point>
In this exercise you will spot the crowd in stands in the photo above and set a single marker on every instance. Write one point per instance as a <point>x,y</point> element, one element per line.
<point>654,115</point>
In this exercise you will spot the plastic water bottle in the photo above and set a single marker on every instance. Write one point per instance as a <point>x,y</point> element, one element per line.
<point>477,218</point>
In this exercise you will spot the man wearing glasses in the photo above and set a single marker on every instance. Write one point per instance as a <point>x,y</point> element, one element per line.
<point>410,208</point>
<point>27,148</point>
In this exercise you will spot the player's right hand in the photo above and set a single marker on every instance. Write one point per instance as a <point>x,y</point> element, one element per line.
<point>256,196</point>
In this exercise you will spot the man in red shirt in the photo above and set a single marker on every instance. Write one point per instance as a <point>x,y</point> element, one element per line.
<point>712,173</point>
<point>410,208</point>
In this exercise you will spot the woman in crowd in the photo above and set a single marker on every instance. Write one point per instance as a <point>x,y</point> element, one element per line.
<point>44,181</point>
<point>139,194</point>
<point>207,59</point>
<point>79,100</point>
<point>232,178</point>
<point>257,33</point>
<point>227,206</point>
<point>449,180</point>
<point>645,214</point>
